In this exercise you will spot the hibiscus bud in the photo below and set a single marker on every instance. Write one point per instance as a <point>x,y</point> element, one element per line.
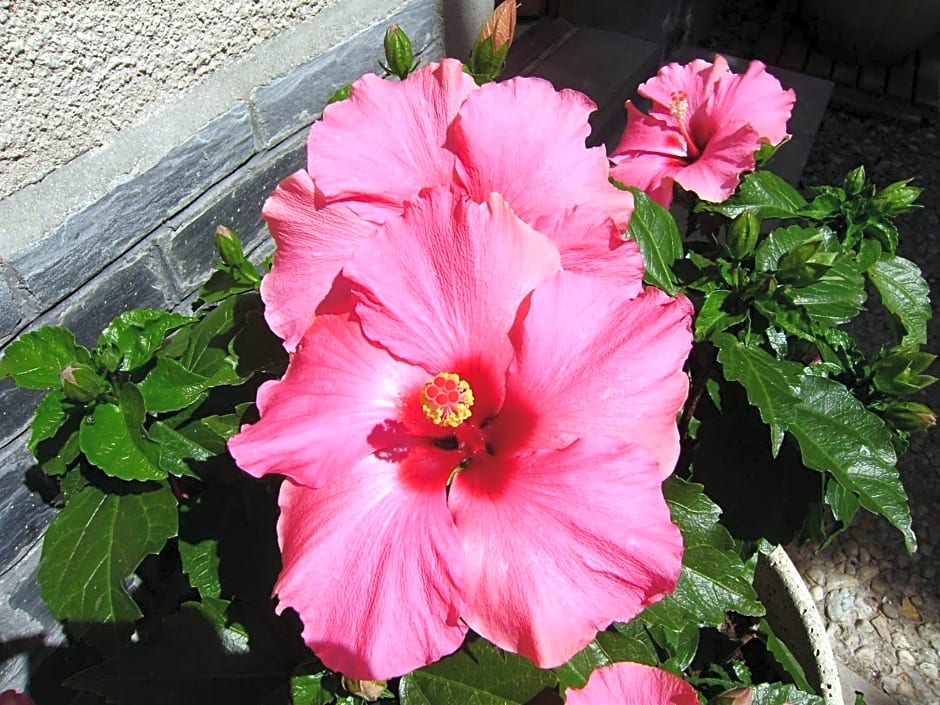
<point>488,55</point>
<point>742,235</point>
<point>910,416</point>
<point>902,372</point>
<point>399,53</point>
<point>370,691</point>
<point>855,181</point>
<point>80,382</point>
<point>229,247</point>
<point>738,696</point>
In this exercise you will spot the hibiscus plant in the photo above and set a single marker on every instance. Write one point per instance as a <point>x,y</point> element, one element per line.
<point>486,428</point>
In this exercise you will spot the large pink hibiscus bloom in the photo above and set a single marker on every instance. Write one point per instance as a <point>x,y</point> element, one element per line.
<point>377,150</point>
<point>479,442</point>
<point>702,130</point>
<point>632,684</point>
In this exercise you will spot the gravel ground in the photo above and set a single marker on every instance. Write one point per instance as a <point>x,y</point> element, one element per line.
<point>881,606</point>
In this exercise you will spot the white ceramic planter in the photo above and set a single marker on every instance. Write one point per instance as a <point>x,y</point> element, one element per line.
<point>793,617</point>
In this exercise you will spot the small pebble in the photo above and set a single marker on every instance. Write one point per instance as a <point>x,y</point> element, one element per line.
<point>867,572</point>
<point>817,592</point>
<point>929,669</point>
<point>837,582</point>
<point>890,609</point>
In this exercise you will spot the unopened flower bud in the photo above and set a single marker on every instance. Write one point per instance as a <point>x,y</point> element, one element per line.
<point>910,416</point>
<point>229,246</point>
<point>370,691</point>
<point>742,235</point>
<point>80,382</point>
<point>399,53</point>
<point>897,198</point>
<point>855,181</point>
<point>738,696</point>
<point>488,55</point>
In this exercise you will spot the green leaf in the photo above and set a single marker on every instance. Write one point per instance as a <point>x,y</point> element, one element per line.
<point>95,543</point>
<point>763,193</point>
<point>843,503</point>
<point>607,648</point>
<point>784,656</point>
<point>656,233</point>
<point>169,386</point>
<point>782,241</point>
<point>191,660</point>
<point>834,298</point>
<point>783,694</point>
<point>695,514</point>
<point>48,419</point>
<point>133,337</point>
<point>308,690</point>
<point>176,449</point>
<point>835,431</point>
<point>113,439</point>
<point>479,673</point>
<point>713,318</point>
<point>35,359</point>
<point>905,294</point>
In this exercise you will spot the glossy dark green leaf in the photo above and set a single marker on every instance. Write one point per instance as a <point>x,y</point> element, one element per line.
<point>713,317</point>
<point>36,359</point>
<point>783,241</point>
<point>609,647</point>
<point>656,233</point>
<point>763,193</point>
<point>175,450</point>
<point>95,543</point>
<point>784,656</point>
<point>47,419</point>
<point>169,386</point>
<point>835,431</point>
<point>309,690</point>
<point>905,294</point>
<point>695,514</point>
<point>134,336</point>
<point>478,673</point>
<point>843,503</point>
<point>833,298</point>
<point>113,439</point>
<point>783,694</point>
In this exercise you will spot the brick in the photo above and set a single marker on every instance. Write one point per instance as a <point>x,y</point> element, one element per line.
<point>27,630</point>
<point>16,409</point>
<point>24,515</point>
<point>293,101</point>
<point>87,242</point>
<point>136,280</point>
<point>235,203</point>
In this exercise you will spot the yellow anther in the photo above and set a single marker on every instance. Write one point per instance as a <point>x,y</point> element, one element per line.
<point>446,400</point>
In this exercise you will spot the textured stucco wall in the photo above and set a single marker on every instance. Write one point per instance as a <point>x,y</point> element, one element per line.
<point>74,73</point>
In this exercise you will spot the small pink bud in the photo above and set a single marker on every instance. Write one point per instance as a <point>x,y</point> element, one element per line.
<point>500,25</point>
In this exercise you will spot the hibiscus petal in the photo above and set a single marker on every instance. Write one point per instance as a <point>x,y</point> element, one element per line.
<point>538,166</point>
<point>560,543</point>
<point>716,173</point>
<point>444,283</point>
<point>401,152</point>
<point>312,246</point>
<point>590,243</point>
<point>757,98</point>
<point>695,79</point>
<point>650,153</point>
<point>339,402</point>
<point>373,565</point>
<point>589,361</point>
<point>632,684</point>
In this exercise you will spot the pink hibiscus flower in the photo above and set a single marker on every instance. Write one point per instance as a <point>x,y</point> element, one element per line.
<point>632,684</point>
<point>478,442</point>
<point>703,129</point>
<point>374,152</point>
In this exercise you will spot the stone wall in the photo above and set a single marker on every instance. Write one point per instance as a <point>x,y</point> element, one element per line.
<point>131,224</point>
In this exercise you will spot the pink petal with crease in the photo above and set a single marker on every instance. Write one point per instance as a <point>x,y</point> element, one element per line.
<point>339,402</point>
<point>444,283</point>
<point>695,79</point>
<point>715,175</point>
<point>632,684</point>
<point>312,246</point>
<point>615,367</point>
<point>539,166</point>
<point>373,566</point>
<point>755,97</point>
<point>379,168</point>
<point>560,543</point>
